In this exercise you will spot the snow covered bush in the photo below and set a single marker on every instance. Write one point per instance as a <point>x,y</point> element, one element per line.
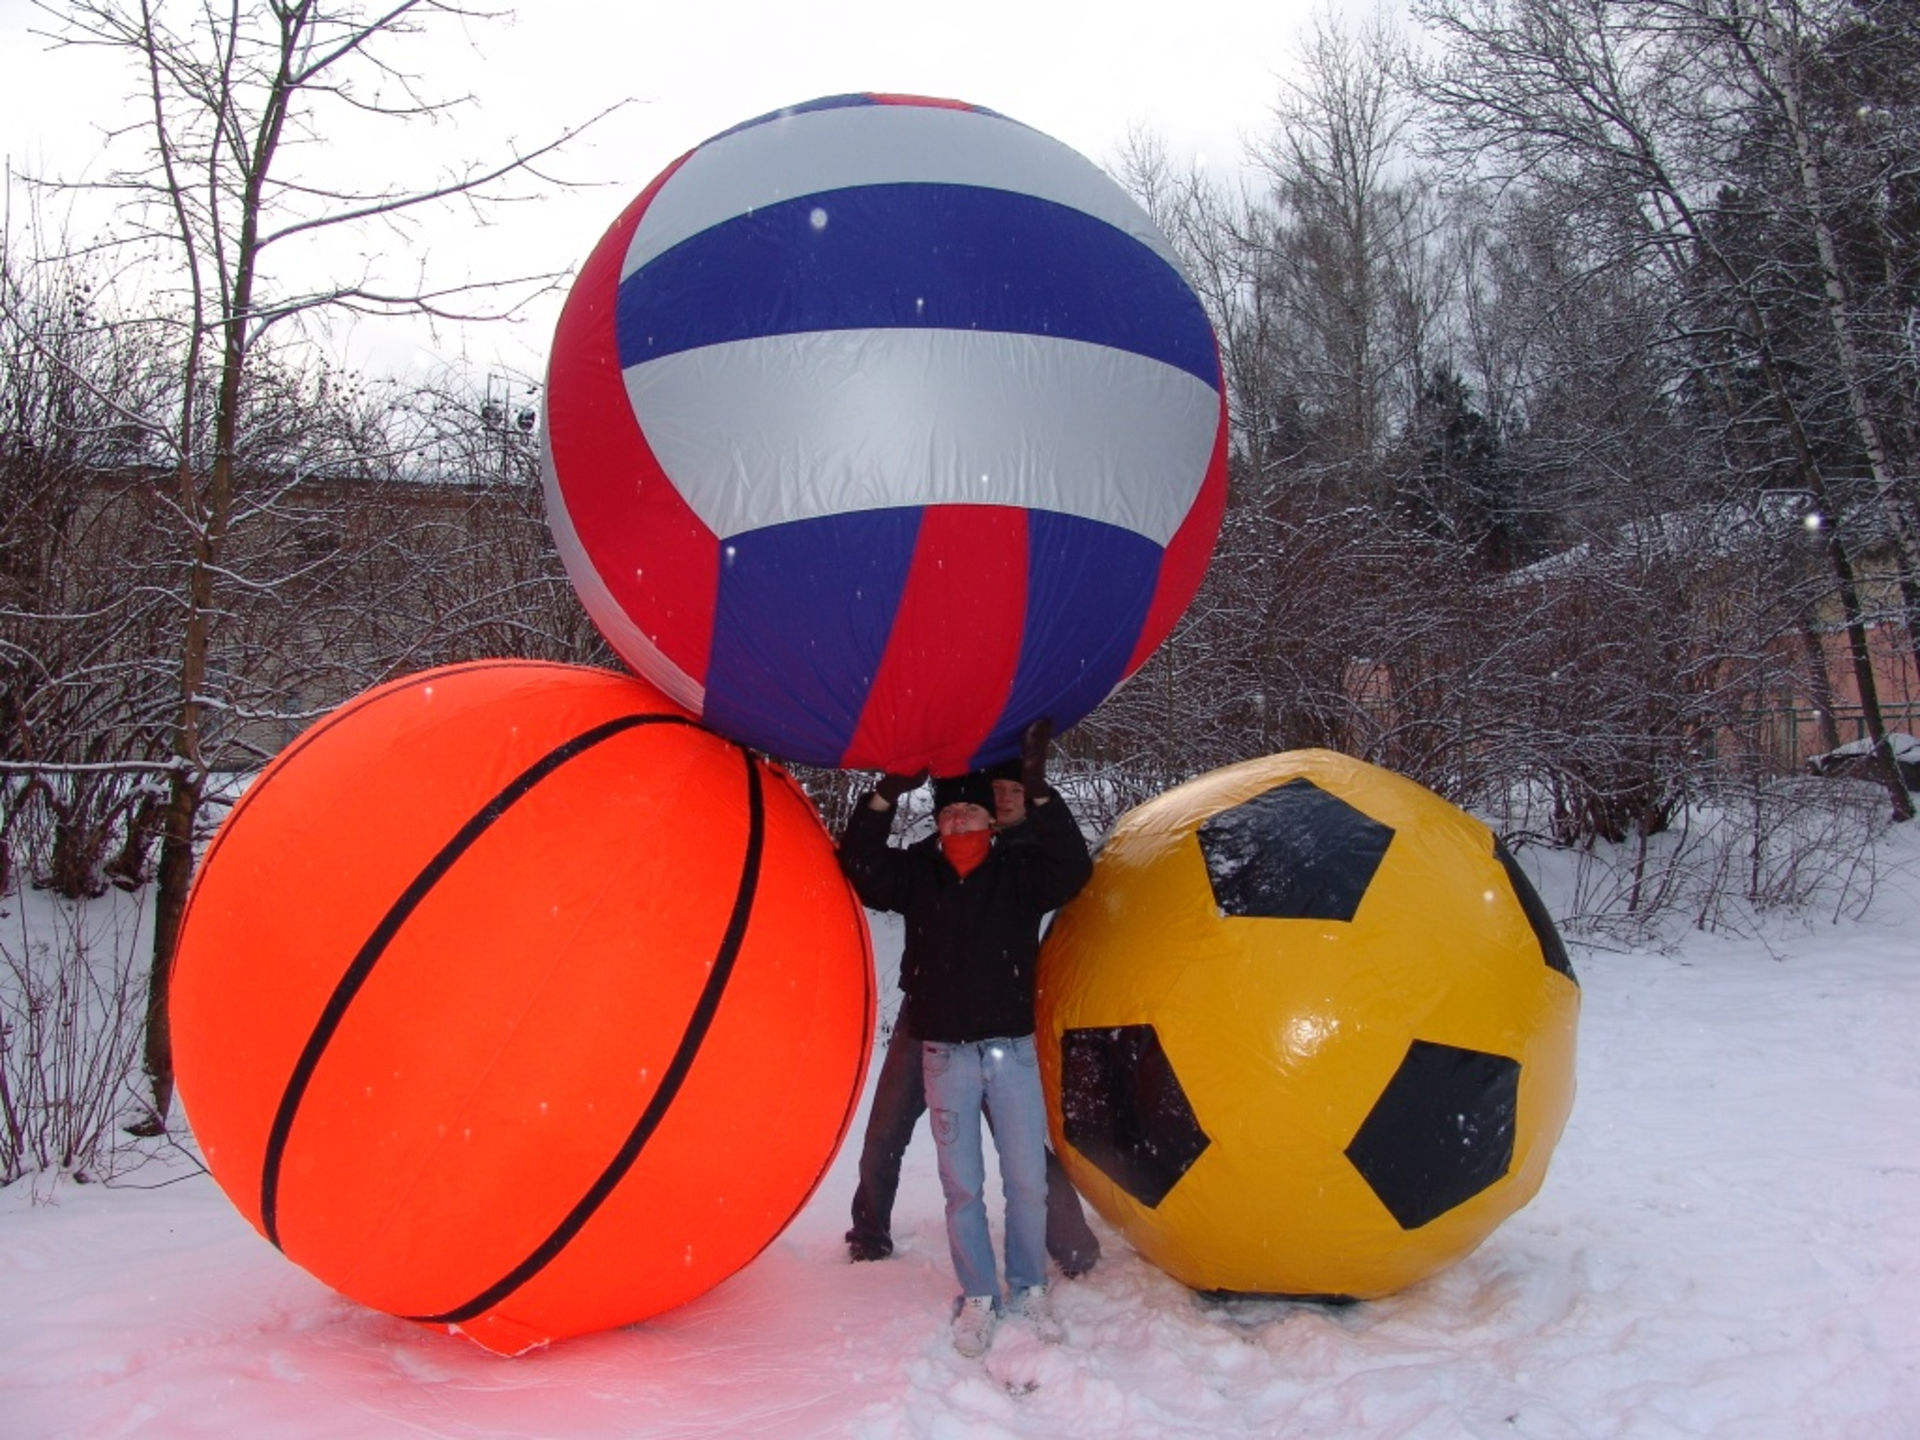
<point>1729,861</point>
<point>72,1012</point>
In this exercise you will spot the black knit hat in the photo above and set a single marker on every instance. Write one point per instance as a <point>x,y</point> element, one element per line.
<point>973,788</point>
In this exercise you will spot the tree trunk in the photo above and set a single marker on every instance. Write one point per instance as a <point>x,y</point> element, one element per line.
<point>1780,71</point>
<point>1883,766</point>
<point>172,882</point>
<point>1820,687</point>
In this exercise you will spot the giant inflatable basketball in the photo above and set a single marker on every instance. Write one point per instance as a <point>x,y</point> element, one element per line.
<point>511,1000</point>
<point>880,427</point>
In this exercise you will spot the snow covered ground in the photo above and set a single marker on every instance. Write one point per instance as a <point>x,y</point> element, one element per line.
<point>1728,1244</point>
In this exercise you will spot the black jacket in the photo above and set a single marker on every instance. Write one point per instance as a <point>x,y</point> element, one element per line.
<point>972,944</point>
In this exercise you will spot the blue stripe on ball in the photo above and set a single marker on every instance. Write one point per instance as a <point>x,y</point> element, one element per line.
<point>1089,587</point>
<point>800,625</point>
<point>928,256</point>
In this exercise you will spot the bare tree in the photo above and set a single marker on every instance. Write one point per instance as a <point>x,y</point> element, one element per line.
<point>1325,293</point>
<point>81,732</point>
<point>239,102</point>
<point>1627,113</point>
<point>1825,92</point>
<point>1350,244</point>
<point>1557,568</point>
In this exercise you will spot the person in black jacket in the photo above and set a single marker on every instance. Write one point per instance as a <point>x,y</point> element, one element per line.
<point>973,908</point>
<point>900,1099</point>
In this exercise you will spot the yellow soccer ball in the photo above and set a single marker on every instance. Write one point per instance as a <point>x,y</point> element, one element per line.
<point>1307,1031</point>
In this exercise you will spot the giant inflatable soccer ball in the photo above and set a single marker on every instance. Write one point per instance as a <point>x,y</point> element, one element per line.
<point>1308,1030</point>
<point>880,427</point>
<point>511,1000</point>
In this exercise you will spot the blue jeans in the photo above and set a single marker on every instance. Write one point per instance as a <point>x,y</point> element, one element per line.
<point>1004,1073</point>
<point>899,1100</point>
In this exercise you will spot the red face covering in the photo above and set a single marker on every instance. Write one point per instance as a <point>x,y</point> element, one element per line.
<point>966,849</point>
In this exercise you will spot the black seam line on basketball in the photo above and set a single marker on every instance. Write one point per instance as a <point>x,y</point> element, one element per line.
<point>676,1073</point>
<point>356,974</point>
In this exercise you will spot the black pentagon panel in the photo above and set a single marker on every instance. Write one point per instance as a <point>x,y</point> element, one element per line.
<point>1440,1133</point>
<point>1294,852</point>
<point>1122,1107</point>
<point>1551,945</point>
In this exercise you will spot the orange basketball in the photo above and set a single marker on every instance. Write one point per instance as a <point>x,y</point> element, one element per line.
<point>510,999</point>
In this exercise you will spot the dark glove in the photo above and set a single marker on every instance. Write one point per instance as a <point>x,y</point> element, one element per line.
<point>891,787</point>
<point>1033,759</point>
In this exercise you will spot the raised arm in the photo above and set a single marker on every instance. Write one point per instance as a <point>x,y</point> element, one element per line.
<point>877,870</point>
<point>1054,863</point>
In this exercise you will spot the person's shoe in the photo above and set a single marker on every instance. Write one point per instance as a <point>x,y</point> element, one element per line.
<point>1032,1305</point>
<point>973,1326</point>
<point>1074,1266</point>
<point>868,1247</point>
<point>1075,1256</point>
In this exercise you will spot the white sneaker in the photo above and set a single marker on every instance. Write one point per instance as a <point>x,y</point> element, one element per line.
<point>1033,1304</point>
<point>973,1326</point>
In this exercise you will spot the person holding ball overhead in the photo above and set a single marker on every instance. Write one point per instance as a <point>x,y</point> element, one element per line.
<point>900,1099</point>
<point>973,905</point>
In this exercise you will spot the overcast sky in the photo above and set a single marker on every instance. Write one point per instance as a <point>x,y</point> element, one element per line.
<point>1202,74</point>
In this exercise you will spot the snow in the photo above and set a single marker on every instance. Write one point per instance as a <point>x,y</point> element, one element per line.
<point>1727,1244</point>
<point>1905,749</point>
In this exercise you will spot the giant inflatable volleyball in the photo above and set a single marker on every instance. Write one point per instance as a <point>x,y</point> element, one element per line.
<point>881,426</point>
<point>495,993</point>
